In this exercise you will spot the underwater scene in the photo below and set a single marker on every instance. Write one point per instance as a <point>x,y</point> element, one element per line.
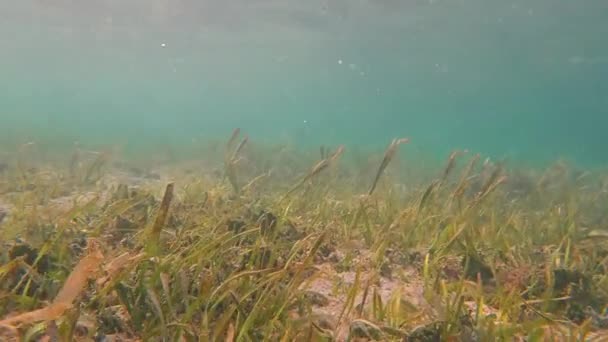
<point>290,170</point>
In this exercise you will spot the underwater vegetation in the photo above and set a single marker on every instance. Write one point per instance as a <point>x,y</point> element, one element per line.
<point>267,243</point>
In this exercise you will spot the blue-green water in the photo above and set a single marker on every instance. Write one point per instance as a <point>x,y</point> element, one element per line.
<point>522,79</point>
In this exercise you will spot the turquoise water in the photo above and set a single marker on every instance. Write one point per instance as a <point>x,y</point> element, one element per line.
<point>526,80</point>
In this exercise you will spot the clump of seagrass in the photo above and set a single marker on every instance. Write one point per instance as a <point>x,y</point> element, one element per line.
<point>436,185</point>
<point>316,169</point>
<point>86,172</point>
<point>22,168</point>
<point>388,157</point>
<point>495,179</point>
<point>460,190</point>
<point>161,217</point>
<point>94,170</point>
<point>450,165</point>
<point>74,162</point>
<point>389,154</point>
<point>231,159</point>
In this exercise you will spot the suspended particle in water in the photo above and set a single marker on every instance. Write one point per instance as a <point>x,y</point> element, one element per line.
<point>340,61</point>
<point>441,67</point>
<point>576,60</point>
<point>163,45</point>
<point>324,9</point>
